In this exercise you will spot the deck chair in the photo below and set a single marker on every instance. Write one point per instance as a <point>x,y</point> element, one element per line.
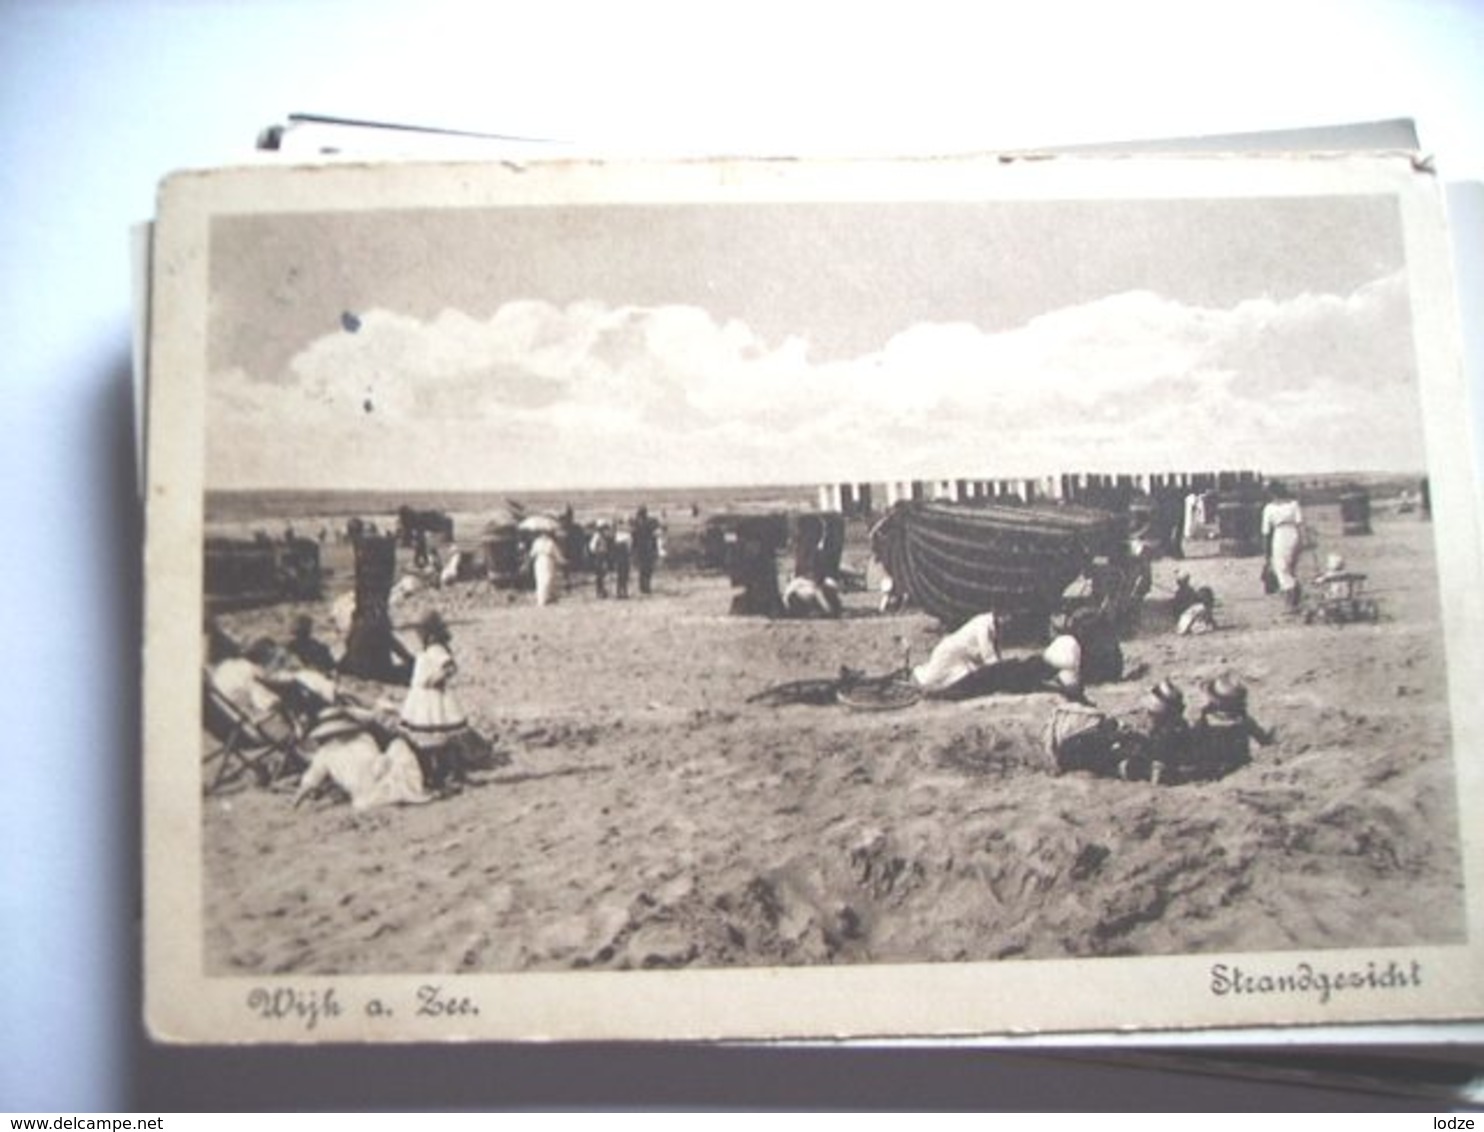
<point>264,747</point>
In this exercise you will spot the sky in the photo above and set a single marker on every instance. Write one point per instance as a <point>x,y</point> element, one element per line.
<point>679,345</point>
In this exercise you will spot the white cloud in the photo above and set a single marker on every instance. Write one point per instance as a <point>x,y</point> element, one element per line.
<point>673,395</point>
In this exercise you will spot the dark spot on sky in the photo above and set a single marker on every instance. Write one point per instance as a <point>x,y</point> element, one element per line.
<point>367,406</point>
<point>350,321</point>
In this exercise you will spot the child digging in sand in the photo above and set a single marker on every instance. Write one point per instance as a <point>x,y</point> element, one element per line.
<point>1221,740</point>
<point>1161,739</point>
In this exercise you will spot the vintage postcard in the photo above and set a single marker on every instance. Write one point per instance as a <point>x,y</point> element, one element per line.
<point>808,599</point>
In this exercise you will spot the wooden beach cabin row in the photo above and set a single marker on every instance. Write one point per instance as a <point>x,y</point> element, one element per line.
<point>1091,488</point>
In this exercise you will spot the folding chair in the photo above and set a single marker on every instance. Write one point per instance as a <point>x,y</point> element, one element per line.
<point>264,745</point>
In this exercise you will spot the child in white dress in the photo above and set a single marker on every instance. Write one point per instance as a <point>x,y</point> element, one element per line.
<point>432,718</point>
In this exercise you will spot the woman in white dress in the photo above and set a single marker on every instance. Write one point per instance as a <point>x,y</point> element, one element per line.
<point>546,557</point>
<point>1283,531</point>
<point>346,753</point>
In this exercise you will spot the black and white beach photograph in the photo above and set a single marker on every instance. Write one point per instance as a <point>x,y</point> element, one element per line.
<point>944,569</point>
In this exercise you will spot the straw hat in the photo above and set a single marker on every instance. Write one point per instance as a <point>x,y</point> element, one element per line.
<point>1334,564</point>
<point>1165,699</point>
<point>1227,693</point>
<point>334,723</point>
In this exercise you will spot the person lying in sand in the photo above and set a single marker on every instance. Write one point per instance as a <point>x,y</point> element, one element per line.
<point>968,663</point>
<point>971,648</point>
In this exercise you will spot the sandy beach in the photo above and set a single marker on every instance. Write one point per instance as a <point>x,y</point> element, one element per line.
<point>643,813</point>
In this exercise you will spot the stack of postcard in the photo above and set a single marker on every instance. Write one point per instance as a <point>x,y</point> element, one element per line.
<point>751,599</point>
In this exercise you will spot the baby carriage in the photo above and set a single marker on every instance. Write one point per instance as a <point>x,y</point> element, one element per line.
<point>1339,597</point>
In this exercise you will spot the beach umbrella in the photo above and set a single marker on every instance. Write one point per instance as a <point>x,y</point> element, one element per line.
<point>543,524</point>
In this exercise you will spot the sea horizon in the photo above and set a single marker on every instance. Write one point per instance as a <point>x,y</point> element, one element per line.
<point>239,505</point>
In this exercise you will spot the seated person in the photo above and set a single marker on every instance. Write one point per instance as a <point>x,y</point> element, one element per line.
<point>1187,596</point>
<point>1099,653</point>
<point>252,681</point>
<point>1196,620</point>
<point>804,597</point>
<point>266,687</point>
<point>1221,740</point>
<point>1194,608</point>
<point>269,679</point>
<point>308,651</point>
<point>1064,663</point>
<point>348,752</point>
<point>1160,737</point>
<point>750,564</point>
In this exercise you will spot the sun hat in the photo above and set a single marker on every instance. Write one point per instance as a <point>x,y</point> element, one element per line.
<point>1164,698</point>
<point>334,723</point>
<point>1227,693</point>
<point>1334,564</point>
